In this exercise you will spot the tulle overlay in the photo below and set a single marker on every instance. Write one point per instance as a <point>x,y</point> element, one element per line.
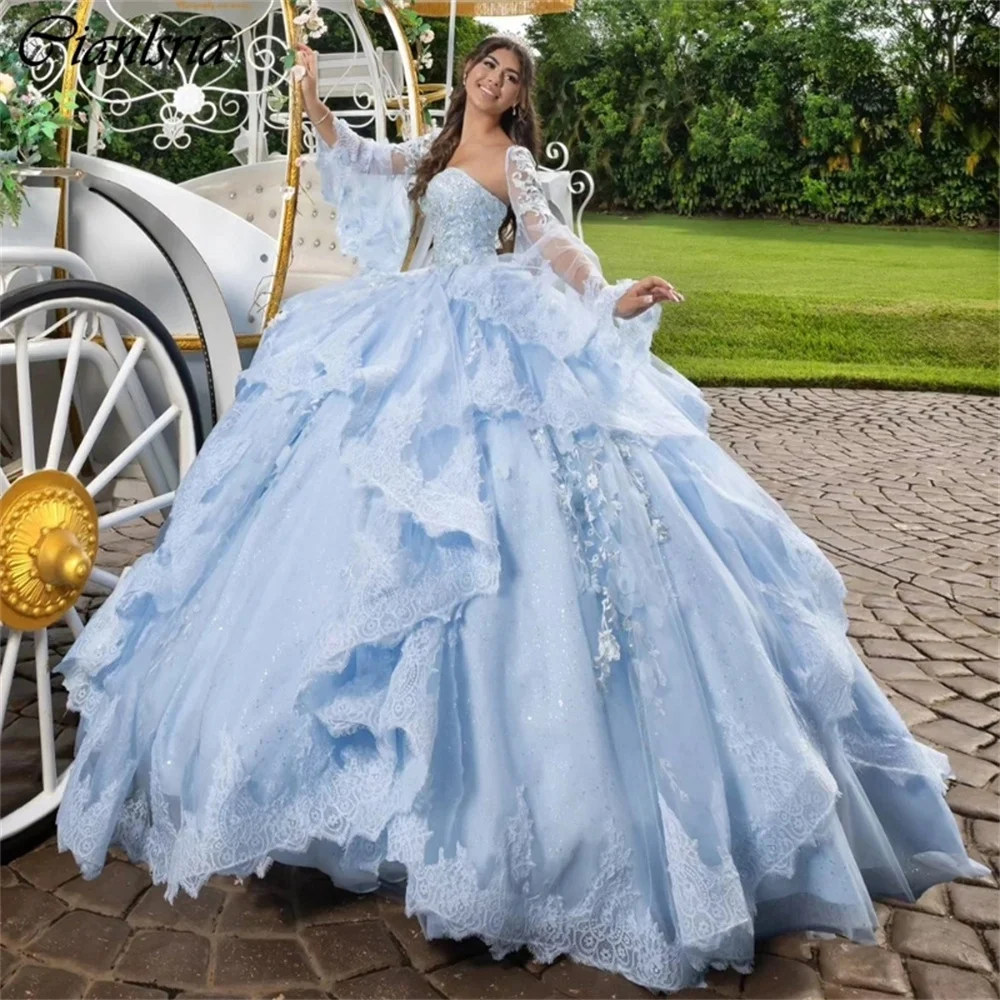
<point>461,588</point>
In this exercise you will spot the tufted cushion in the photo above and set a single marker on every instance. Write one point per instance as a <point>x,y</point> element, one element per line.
<point>254,192</point>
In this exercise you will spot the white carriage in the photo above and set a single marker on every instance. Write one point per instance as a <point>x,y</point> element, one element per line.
<point>130,304</point>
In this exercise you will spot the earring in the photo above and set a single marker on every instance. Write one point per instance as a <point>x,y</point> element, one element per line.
<point>516,115</point>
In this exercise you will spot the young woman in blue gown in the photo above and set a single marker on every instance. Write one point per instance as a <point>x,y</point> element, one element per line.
<point>461,590</point>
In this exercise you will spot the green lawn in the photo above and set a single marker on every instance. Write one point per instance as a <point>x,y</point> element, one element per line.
<point>779,303</point>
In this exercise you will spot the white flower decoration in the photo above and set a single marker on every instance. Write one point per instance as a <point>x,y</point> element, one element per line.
<point>316,27</point>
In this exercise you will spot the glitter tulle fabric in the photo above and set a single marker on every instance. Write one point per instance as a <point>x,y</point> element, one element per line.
<point>460,589</point>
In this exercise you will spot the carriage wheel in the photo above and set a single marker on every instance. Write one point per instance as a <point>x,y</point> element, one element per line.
<point>99,422</point>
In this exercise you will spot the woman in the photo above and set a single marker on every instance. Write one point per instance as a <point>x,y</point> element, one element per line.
<point>461,590</point>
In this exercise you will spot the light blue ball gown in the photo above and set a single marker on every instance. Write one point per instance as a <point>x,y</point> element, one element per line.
<point>460,587</point>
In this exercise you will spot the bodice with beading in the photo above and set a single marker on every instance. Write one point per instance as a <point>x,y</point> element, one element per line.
<point>465,217</point>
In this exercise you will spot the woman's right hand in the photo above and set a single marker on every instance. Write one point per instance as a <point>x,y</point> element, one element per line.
<point>305,58</point>
<point>643,295</point>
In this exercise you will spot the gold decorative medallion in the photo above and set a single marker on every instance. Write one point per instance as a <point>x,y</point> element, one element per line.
<point>48,544</point>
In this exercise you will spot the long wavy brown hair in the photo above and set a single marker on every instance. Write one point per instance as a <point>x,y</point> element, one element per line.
<point>519,122</point>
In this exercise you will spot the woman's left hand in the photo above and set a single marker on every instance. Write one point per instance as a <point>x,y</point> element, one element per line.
<point>644,295</point>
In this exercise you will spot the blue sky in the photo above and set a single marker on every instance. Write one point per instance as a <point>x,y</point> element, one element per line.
<point>512,24</point>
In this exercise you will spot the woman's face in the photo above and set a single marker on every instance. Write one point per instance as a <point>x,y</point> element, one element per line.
<point>493,85</point>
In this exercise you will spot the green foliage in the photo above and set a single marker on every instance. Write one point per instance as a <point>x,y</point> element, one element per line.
<point>29,124</point>
<point>468,34</point>
<point>849,110</point>
<point>418,33</point>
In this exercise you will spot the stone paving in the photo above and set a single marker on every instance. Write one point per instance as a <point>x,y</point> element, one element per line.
<point>900,491</point>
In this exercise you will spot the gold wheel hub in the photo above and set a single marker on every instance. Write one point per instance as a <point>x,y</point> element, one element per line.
<point>48,544</point>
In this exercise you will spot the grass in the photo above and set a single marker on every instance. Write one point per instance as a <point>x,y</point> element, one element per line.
<point>772,302</point>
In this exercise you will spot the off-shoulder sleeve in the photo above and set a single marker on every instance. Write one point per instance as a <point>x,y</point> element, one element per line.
<point>543,242</point>
<point>367,182</point>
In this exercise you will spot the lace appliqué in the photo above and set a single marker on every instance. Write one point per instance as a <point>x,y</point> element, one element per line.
<point>661,533</point>
<point>494,387</point>
<point>709,901</point>
<point>447,501</point>
<point>611,927</point>
<point>414,150</point>
<point>523,184</point>
<point>584,480</point>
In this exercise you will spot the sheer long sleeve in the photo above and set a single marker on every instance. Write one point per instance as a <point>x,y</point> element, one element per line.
<point>367,182</point>
<point>361,155</point>
<point>542,240</point>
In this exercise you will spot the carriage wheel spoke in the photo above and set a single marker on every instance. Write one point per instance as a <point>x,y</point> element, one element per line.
<point>11,649</point>
<point>104,410</point>
<point>42,334</point>
<point>160,424</point>
<point>25,412</point>
<point>46,729</point>
<point>103,578</point>
<point>4,483</point>
<point>125,515</point>
<point>74,621</point>
<point>61,421</point>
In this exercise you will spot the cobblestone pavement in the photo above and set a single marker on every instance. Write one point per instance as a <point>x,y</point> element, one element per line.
<point>899,489</point>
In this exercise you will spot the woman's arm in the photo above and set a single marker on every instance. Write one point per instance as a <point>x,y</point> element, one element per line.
<point>363,155</point>
<point>319,114</point>
<point>570,257</point>
<point>366,182</point>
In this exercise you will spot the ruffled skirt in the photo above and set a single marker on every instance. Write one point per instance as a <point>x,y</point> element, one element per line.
<point>461,589</point>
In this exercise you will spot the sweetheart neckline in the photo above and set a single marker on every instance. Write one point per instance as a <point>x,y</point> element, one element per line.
<point>479,184</point>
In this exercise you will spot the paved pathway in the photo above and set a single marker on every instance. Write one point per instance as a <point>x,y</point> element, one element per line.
<point>899,489</point>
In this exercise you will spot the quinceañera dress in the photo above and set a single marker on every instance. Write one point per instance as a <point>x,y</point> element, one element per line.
<point>460,588</point>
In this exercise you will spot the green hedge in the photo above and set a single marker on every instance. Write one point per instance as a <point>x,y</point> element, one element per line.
<point>852,110</point>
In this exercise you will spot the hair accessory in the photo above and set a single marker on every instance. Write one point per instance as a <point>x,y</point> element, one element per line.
<point>507,36</point>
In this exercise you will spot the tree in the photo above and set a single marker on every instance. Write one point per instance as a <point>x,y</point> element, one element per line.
<point>867,110</point>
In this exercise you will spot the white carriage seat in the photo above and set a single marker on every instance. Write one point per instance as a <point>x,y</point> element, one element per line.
<point>254,191</point>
